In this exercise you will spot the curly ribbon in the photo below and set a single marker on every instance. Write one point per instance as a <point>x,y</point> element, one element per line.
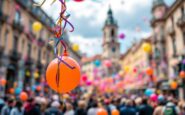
<point>59,31</point>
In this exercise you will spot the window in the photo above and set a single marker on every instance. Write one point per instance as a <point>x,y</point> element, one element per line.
<point>39,54</point>
<point>15,43</point>
<point>174,46</point>
<point>22,47</point>
<point>17,17</point>
<point>113,49</point>
<point>47,57</point>
<point>29,49</point>
<point>44,55</point>
<point>112,33</point>
<point>6,38</point>
<point>30,25</point>
<point>157,53</point>
<point>172,19</point>
<point>182,11</point>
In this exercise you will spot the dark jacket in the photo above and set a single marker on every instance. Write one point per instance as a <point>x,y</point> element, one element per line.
<point>127,111</point>
<point>32,110</point>
<point>80,112</point>
<point>145,110</point>
<point>53,111</point>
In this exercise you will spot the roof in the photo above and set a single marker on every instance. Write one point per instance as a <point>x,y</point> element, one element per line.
<point>110,19</point>
<point>135,47</point>
<point>157,3</point>
<point>169,10</point>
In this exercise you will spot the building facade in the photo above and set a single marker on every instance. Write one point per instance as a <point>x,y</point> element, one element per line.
<point>134,63</point>
<point>168,26</point>
<point>24,54</point>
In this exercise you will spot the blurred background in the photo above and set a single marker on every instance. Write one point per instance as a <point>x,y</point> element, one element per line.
<point>123,47</point>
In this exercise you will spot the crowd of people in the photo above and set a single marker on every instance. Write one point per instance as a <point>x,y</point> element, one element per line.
<point>92,104</point>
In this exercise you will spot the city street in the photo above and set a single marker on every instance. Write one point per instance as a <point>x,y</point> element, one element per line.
<point>92,57</point>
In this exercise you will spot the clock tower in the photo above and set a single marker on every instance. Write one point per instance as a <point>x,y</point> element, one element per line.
<point>111,46</point>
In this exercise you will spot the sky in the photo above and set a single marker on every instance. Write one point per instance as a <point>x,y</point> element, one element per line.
<point>88,18</point>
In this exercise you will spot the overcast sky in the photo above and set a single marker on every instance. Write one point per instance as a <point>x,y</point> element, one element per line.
<point>88,18</point>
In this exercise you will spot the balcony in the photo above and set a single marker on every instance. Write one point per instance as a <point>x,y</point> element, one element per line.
<point>17,25</point>
<point>171,31</point>
<point>14,55</point>
<point>29,61</point>
<point>41,42</point>
<point>39,64</point>
<point>174,55</point>
<point>3,17</point>
<point>181,21</point>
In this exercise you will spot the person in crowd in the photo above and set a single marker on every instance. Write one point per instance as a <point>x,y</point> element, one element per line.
<point>171,108</point>
<point>181,106</point>
<point>138,102</point>
<point>128,109</point>
<point>145,108</point>
<point>159,109</point>
<point>81,109</point>
<point>17,110</point>
<point>93,109</point>
<point>54,109</point>
<point>2,103</point>
<point>7,107</point>
<point>69,109</point>
<point>31,108</point>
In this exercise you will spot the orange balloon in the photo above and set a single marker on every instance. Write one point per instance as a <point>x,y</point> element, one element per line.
<point>149,71</point>
<point>102,112</point>
<point>174,85</point>
<point>23,96</point>
<point>68,78</point>
<point>11,90</point>
<point>3,82</point>
<point>182,74</point>
<point>115,112</point>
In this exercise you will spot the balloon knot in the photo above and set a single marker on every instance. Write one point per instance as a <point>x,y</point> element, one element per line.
<point>65,53</point>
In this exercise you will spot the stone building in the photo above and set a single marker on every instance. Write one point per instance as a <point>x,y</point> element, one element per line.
<point>24,54</point>
<point>159,9</point>
<point>168,26</point>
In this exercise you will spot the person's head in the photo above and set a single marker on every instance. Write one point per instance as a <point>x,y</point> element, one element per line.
<point>123,101</point>
<point>128,102</point>
<point>145,101</point>
<point>81,104</point>
<point>69,106</point>
<point>30,101</point>
<point>10,102</point>
<point>138,101</point>
<point>18,104</point>
<point>94,104</point>
<point>5,98</point>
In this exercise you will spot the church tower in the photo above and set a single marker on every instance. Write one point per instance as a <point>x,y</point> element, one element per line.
<point>111,46</point>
